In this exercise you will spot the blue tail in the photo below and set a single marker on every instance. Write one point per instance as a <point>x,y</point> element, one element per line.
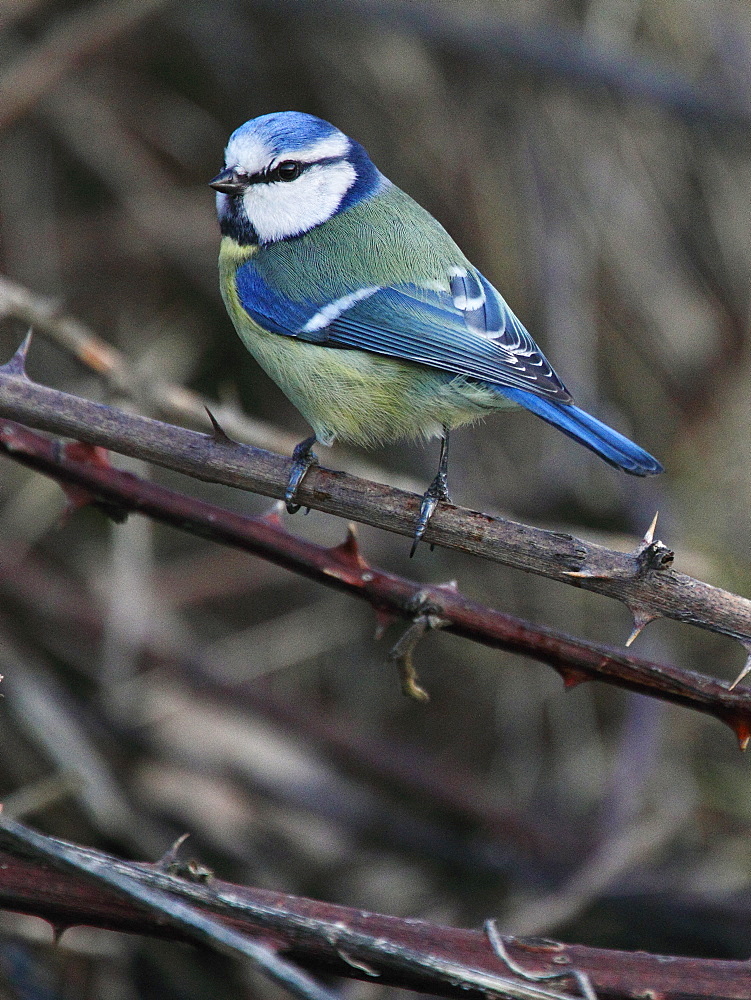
<point>603,440</point>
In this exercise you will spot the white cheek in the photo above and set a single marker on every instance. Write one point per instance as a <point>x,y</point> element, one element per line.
<point>279,210</point>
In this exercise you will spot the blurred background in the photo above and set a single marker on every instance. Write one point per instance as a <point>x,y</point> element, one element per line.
<point>593,158</point>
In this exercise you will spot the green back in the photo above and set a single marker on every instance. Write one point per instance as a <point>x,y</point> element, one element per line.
<point>380,241</point>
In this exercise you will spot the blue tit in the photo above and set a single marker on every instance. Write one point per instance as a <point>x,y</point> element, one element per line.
<point>361,307</point>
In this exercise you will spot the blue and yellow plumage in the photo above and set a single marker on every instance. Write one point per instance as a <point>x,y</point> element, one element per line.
<point>361,307</point>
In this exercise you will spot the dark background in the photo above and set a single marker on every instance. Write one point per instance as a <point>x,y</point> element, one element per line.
<point>592,158</point>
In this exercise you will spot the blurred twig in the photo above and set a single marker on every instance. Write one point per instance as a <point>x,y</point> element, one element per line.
<point>640,578</point>
<point>172,401</point>
<point>349,942</point>
<point>14,10</point>
<point>344,568</point>
<point>56,600</point>
<point>554,52</point>
<point>66,45</point>
<point>627,851</point>
<point>48,716</point>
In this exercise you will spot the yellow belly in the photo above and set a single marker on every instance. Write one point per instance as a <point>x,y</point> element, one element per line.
<point>355,395</point>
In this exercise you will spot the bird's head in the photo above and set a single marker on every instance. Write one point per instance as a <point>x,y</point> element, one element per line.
<point>287,172</point>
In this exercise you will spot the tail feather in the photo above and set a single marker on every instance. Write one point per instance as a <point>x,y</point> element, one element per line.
<point>616,449</point>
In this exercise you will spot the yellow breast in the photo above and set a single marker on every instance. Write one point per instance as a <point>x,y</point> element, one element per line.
<point>349,394</point>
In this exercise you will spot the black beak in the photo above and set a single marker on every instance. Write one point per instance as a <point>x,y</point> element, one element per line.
<point>228,182</point>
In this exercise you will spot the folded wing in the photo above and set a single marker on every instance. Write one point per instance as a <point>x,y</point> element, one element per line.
<point>463,327</point>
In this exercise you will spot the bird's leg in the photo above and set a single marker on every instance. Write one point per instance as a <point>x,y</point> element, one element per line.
<point>437,491</point>
<point>302,458</point>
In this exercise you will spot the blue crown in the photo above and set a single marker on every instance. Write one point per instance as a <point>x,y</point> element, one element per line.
<point>287,131</point>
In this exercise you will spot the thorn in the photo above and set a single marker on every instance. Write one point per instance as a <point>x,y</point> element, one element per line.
<point>346,563</point>
<point>89,454</point>
<point>650,535</point>
<point>274,516</point>
<point>585,574</point>
<point>746,670</point>
<point>17,364</point>
<point>641,620</point>
<point>78,496</point>
<point>169,859</point>
<point>57,931</point>
<point>572,678</point>
<point>742,729</point>
<point>219,435</point>
<point>451,585</point>
<point>348,551</point>
<point>384,619</point>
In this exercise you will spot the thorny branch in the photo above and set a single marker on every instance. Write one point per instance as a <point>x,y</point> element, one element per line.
<point>194,924</point>
<point>344,568</point>
<point>641,579</point>
<point>62,887</point>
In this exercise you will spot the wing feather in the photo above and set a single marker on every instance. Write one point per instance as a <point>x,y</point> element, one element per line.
<point>464,328</point>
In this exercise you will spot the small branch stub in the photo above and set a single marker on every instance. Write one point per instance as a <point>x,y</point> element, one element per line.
<point>426,619</point>
<point>650,555</point>
<point>191,870</point>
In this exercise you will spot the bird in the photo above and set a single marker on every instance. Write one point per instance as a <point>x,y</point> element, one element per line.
<point>358,303</point>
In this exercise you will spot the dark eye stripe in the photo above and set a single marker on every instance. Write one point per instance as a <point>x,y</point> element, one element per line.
<point>272,174</point>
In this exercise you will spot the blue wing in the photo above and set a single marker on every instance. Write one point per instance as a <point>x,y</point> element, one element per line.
<point>467,329</point>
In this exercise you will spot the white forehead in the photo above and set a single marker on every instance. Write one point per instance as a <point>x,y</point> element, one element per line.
<point>252,152</point>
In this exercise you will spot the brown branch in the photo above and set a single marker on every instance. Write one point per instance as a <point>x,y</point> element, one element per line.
<point>166,399</point>
<point>344,568</point>
<point>348,942</point>
<point>49,596</point>
<point>193,923</point>
<point>640,578</point>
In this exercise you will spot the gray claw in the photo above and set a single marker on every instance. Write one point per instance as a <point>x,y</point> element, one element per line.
<point>437,491</point>
<point>302,458</point>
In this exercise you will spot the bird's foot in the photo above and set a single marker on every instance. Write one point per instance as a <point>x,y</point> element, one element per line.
<point>302,458</point>
<point>435,493</point>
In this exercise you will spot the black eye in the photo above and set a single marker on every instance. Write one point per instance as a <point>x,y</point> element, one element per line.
<point>288,170</point>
